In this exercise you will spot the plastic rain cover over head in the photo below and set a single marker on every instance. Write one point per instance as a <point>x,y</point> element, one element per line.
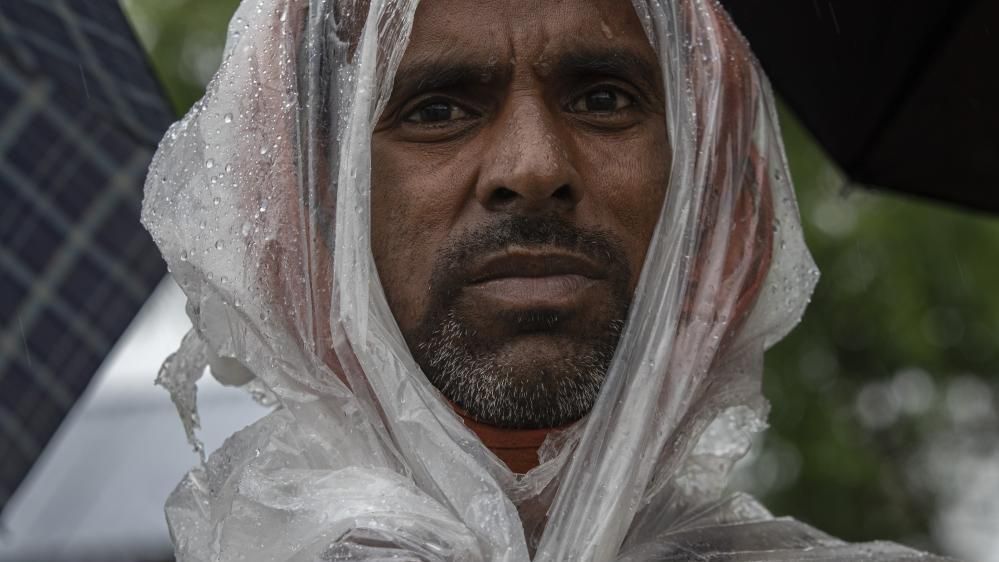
<point>259,201</point>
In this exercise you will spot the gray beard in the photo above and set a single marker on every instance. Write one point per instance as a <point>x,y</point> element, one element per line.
<point>540,395</point>
<point>474,372</point>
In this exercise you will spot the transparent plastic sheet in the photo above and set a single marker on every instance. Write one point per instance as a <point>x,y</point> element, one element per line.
<point>259,201</point>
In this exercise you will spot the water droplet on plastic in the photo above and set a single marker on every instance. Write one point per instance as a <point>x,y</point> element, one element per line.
<point>219,245</point>
<point>210,163</point>
<point>264,149</point>
<point>246,229</point>
<point>216,201</point>
<point>183,255</point>
<point>228,168</point>
<point>227,118</point>
<point>607,31</point>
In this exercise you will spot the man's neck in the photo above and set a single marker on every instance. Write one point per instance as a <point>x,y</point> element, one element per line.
<point>518,448</point>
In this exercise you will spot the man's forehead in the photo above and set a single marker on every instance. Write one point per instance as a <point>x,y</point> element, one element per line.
<point>521,31</point>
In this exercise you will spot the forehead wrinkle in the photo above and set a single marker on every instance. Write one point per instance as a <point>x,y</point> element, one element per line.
<point>443,57</point>
<point>525,35</point>
<point>439,34</point>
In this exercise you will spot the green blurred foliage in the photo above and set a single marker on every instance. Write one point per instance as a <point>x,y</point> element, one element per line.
<point>898,348</point>
<point>184,39</point>
<point>903,323</point>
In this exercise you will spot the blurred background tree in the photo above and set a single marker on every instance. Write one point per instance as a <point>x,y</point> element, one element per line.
<point>184,39</point>
<point>883,397</point>
<point>883,417</point>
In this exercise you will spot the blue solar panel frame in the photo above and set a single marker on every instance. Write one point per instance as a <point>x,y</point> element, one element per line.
<point>80,115</point>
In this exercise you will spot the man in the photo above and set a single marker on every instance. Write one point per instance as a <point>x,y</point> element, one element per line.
<point>509,267</point>
<point>519,178</point>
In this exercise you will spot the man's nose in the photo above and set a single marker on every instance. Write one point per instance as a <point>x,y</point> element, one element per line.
<point>527,166</point>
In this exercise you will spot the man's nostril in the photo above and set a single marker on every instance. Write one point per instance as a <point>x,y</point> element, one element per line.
<point>563,193</point>
<point>503,194</point>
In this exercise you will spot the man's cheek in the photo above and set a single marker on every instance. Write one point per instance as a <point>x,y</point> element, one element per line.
<point>408,277</point>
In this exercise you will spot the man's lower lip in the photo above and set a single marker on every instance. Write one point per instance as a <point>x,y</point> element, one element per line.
<point>551,291</point>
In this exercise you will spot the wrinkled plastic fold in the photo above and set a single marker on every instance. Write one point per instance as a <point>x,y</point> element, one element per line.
<point>259,199</point>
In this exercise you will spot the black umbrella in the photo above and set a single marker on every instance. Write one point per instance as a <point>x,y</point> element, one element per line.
<point>902,95</point>
<point>80,115</point>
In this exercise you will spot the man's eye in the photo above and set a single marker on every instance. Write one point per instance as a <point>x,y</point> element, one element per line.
<point>436,112</point>
<point>604,100</point>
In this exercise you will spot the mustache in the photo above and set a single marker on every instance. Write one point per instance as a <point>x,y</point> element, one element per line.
<point>452,267</point>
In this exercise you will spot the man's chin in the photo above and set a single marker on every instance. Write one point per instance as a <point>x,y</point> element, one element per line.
<point>524,369</point>
<point>530,381</point>
<point>541,356</point>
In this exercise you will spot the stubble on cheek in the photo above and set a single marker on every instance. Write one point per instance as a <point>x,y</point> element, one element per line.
<point>404,234</point>
<point>417,194</point>
<point>396,247</point>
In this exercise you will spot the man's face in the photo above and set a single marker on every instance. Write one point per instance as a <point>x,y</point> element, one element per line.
<point>518,173</point>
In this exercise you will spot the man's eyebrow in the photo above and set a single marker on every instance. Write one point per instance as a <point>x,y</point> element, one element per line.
<point>444,75</point>
<point>619,63</point>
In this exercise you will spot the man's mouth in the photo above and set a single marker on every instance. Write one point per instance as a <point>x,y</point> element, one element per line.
<point>534,279</point>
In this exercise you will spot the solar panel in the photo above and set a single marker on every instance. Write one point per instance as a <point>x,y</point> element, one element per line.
<point>80,116</point>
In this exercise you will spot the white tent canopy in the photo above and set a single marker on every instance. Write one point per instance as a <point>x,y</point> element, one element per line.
<point>98,490</point>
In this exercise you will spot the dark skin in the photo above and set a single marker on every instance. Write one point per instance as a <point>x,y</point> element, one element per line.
<point>534,108</point>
